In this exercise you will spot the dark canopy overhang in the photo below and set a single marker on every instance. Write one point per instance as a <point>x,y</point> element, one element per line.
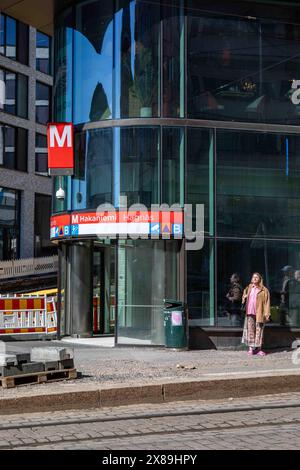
<point>40,13</point>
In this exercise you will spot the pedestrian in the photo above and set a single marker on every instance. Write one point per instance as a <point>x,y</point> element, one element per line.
<point>234,300</point>
<point>256,299</point>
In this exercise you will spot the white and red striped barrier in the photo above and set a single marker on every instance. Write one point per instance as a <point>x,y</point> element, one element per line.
<point>27,315</point>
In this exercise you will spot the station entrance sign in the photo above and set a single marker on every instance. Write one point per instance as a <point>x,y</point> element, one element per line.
<point>118,223</point>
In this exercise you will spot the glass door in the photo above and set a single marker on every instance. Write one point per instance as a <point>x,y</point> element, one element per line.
<point>103,289</point>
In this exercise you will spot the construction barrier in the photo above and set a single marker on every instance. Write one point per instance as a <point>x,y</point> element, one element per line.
<point>27,315</point>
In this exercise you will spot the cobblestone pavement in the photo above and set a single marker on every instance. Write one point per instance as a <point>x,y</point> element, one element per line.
<point>100,366</point>
<point>267,422</point>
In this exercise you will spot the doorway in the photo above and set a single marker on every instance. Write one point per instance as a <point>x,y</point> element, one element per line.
<point>103,298</point>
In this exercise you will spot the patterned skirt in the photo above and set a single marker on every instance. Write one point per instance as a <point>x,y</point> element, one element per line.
<point>253,332</point>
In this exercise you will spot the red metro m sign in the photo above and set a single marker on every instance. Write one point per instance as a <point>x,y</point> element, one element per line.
<point>60,138</point>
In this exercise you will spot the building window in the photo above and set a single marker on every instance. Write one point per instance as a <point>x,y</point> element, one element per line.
<point>43,53</point>
<point>13,93</point>
<point>139,165</point>
<point>42,104</point>
<point>200,285</point>
<point>41,154</point>
<point>173,165</point>
<point>9,224</point>
<point>241,68</point>
<point>42,245</point>
<point>258,184</point>
<point>14,39</point>
<point>13,148</point>
<point>279,264</point>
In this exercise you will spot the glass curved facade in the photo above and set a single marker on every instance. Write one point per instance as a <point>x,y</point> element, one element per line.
<point>187,102</point>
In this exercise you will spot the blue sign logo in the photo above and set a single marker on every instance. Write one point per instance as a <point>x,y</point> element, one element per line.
<point>56,231</point>
<point>75,230</point>
<point>177,229</point>
<point>155,229</point>
<point>67,230</point>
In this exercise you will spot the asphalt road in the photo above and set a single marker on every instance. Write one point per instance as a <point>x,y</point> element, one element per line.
<point>269,422</point>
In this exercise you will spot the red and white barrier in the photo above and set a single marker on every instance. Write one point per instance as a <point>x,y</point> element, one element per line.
<point>27,315</point>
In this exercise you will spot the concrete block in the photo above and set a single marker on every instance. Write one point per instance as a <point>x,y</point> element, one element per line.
<point>32,367</point>
<point>51,365</point>
<point>8,360</point>
<point>51,354</point>
<point>23,358</point>
<point>66,364</point>
<point>8,371</point>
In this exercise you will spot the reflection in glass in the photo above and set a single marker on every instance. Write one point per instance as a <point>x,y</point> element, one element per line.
<point>258,184</point>
<point>41,154</point>
<point>143,269</point>
<point>173,165</point>
<point>43,49</point>
<point>139,157</point>
<point>173,59</point>
<point>199,169</point>
<point>93,61</point>
<point>200,285</point>
<point>42,103</point>
<point>279,264</point>
<point>137,49</point>
<point>242,68</point>
<point>11,37</point>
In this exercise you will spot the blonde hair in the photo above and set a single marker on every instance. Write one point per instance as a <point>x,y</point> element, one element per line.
<point>261,281</point>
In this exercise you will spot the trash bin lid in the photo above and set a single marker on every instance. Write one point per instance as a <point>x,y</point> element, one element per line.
<point>173,303</point>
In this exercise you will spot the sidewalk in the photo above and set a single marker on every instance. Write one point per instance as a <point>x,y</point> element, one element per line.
<point>117,376</point>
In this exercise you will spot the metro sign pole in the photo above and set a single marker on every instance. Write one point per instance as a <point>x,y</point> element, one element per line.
<point>60,137</point>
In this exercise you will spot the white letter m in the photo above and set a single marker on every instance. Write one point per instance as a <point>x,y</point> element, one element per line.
<point>66,136</point>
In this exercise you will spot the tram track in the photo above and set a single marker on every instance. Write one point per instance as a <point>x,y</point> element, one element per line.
<point>142,416</point>
<point>196,428</point>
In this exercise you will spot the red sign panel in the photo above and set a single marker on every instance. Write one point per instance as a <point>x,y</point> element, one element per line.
<point>60,138</point>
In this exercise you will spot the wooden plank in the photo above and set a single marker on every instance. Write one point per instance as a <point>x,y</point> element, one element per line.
<point>38,377</point>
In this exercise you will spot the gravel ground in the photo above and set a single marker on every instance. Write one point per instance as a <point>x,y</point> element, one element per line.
<point>105,367</point>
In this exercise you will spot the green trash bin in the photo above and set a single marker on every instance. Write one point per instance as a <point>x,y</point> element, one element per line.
<point>175,324</point>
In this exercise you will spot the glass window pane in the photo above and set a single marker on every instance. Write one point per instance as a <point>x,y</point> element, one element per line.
<point>242,68</point>
<point>199,173</point>
<point>22,98</point>
<point>43,94</point>
<point>2,34</point>
<point>173,59</point>
<point>92,184</point>
<point>258,184</point>
<point>42,214</point>
<point>41,154</point>
<point>278,263</point>
<point>200,285</point>
<point>93,61</point>
<point>2,89</point>
<point>23,43</point>
<point>137,44</point>
<point>143,267</point>
<point>63,67</point>
<point>43,44</point>
<point>9,224</point>
<point>10,92</point>
<point>139,165</point>
<point>173,166</point>
<point>11,37</point>
<point>22,149</point>
<point>9,156</point>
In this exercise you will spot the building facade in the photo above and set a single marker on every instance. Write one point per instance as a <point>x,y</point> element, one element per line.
<point>25,106</point>
<point>180,102</point>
